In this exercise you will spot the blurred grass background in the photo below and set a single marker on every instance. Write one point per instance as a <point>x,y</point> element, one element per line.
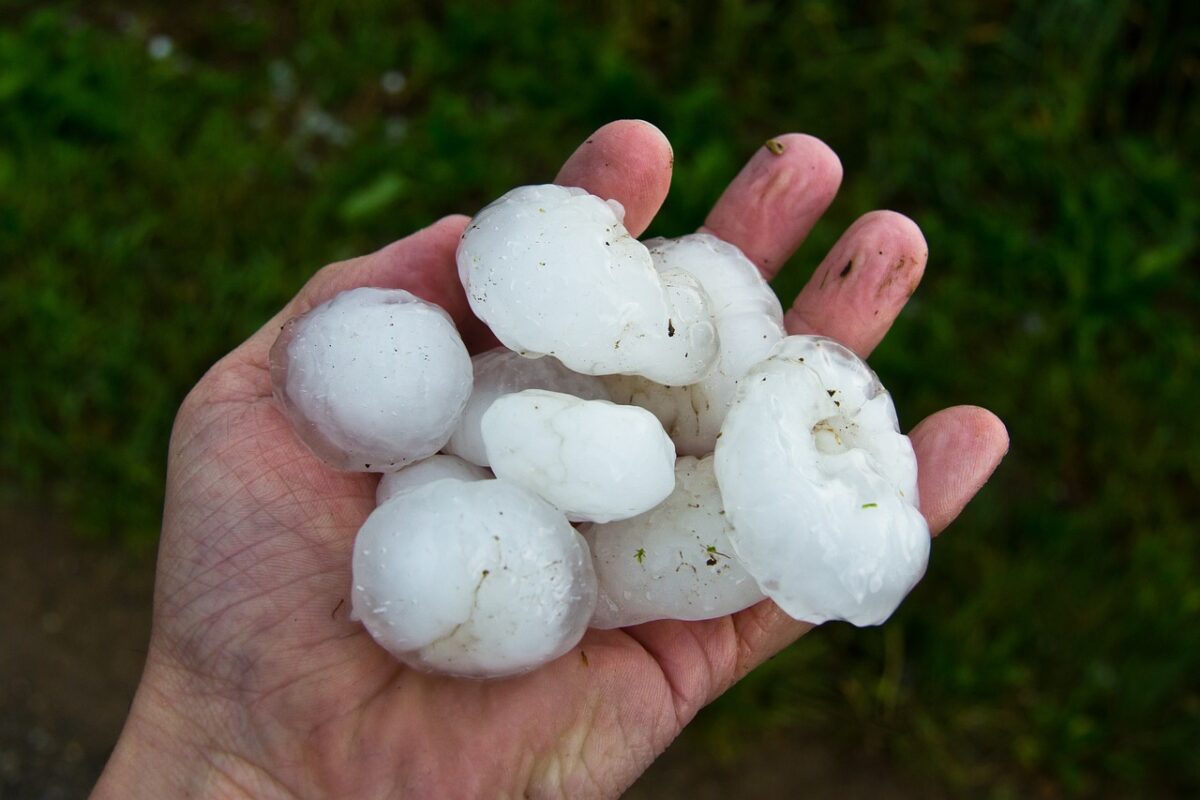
<point>170,175</point>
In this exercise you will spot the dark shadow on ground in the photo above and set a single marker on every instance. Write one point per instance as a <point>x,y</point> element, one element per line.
<point>74,620</point>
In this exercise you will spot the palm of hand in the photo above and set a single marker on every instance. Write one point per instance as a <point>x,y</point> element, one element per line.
<point>252,634</point>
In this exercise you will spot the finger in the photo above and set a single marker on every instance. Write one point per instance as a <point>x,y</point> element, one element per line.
<point>422,263</point>
<point>628,161</point>
<point>776,199</point>
<point>958,449</point>
<point>860,287</point>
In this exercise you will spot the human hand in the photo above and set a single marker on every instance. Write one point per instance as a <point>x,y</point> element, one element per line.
<point>258,684</point>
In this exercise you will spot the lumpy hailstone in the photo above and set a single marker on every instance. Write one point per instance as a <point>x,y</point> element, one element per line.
<point>477,579</point>
<point>594,460</point>
<point>820,485</point>
<point>373,379</point>
<point>427,470</point>
<point>749,322</point>
<point>673,562</point>
<point>552,271</point>
<point>501,371</point>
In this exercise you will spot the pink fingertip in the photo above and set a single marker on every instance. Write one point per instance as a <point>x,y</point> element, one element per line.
<point>628,161</point>
<point>957,449</point>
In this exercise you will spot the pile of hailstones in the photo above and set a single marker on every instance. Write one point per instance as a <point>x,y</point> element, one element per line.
<point>648,444</point>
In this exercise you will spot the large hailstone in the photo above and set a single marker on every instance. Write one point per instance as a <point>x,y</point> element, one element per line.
<point>594,460</point>
<point>373,379</point>
<point>552,271</point>
<point>501,371</point>
<point>820,485</point>
<point>672,562</point>
<point>749,323</point>
<point>435,468</point>
<point>478,579</point>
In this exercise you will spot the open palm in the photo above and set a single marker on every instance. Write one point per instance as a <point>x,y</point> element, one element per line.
<point>257,683</point>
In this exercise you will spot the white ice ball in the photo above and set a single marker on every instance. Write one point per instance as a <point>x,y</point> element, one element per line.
<point>749,322</point>
<point>373,379</point>
<point>820,485</point>
<point>594,460</point>
<point>552,271</point>
<point>672,562</point>
<point>427,470</point>
<point>479,579</point>
<point>501,371</point>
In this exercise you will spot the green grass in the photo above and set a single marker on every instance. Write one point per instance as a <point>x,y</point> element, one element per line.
<point>154,211</point>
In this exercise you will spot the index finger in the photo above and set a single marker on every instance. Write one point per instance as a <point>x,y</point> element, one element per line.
<point>628,161</point>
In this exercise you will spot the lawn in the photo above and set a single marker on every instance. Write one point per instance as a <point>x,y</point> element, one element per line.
<point>168,178</point>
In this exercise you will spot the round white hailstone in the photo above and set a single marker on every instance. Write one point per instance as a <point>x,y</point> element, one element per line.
<point>673,562</point>
<point>820,485</point>
<point>552,271</point>
<point>749,323</point>
<point>373,379</point>
<point>501,371</point>
<point>427,470</point>
<point>594,460</point>
<point>477,579</point>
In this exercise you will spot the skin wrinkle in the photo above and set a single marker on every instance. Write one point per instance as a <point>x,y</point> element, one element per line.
<point>285,702</point>
<point>276,694</point>
<point>241,553</point>
<point>256,435</point>
<point>596,778</point>
<point>554,771</point>
<point>214,546</point>
<point>624,743</point>
<point>679,696</point>
<point>192,638</point>
<point>183,439</point>
<point>264,787</point>
<point>238,379</point>
<point>241,570</point>
<point>592,749</point>
<point>245,491</point>
<point>719,657</point>
<point>383,686</point>
<point>203,587</point>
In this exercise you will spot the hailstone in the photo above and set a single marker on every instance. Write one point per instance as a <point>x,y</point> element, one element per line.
<point>501,371</point>
<point>552,271</point>
<point>820,486</point>
<point>672,562</point>
<point>594,460</point>
<point>749,322</point>
<point>373,379</point>
<point>477,579</point>
<point>435,468</point>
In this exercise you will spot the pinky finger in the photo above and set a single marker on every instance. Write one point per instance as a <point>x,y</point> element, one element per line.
<point>957,449</point>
